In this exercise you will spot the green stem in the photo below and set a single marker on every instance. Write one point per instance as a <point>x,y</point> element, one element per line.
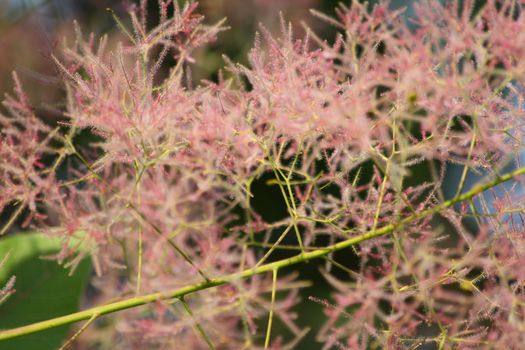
<point>200,330</point>
<point>306,256</point>
<point>270,316</point>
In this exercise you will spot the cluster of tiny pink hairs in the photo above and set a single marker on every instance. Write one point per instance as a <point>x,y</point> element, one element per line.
<point>155,201</point>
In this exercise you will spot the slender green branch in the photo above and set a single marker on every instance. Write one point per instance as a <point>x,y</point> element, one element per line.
<point>306,256</point>
<point>80,331</point>
<point>14,216</point>
<point>270,316</point>
<point>200,330</point>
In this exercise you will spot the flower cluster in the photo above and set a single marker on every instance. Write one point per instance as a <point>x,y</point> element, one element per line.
<point>161,198</point>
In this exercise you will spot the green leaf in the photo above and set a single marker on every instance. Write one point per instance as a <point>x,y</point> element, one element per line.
<point>44,289</point>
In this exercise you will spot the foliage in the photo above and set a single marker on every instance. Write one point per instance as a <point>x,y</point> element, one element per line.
<point>42,289</point>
